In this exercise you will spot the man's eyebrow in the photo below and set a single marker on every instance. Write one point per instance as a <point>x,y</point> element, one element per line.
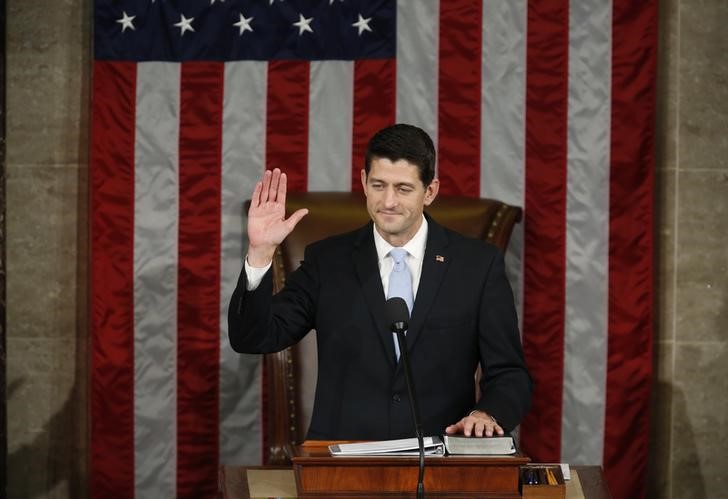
<point>397,184</point>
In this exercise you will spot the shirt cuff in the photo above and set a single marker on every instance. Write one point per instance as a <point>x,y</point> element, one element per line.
<point>255,274</point>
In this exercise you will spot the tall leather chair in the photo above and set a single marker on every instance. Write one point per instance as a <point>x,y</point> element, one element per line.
<point>291,374</point>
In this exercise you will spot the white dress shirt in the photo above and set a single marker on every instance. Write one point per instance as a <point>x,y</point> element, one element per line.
<point>415,248</point>
<point>255,274</point>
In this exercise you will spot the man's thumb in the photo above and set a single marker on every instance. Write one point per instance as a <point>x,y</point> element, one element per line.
<point>296,217</point>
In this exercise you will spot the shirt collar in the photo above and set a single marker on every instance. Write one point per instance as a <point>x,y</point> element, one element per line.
<point>415,246</point>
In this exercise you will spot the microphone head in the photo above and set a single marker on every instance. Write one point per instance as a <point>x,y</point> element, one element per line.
<point>397,314</point>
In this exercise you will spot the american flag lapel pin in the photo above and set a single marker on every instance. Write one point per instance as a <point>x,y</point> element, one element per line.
<point>439,258</point>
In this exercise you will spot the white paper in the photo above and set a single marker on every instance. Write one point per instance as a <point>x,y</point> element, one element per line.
<point>433,445</point>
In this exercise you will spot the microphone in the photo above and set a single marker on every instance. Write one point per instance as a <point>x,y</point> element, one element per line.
<point>397,315</point>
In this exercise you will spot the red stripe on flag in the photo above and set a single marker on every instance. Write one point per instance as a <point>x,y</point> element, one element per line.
<point>629,360</point>
<point>544,281</point>
<point>112,286</point>
<point>286,148</point>
<point>459,98</point>
<point>375,85</point>
<point>198,290</point>
<point>287,121</point>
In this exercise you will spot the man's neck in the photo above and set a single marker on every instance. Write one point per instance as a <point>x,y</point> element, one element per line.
<point>415,246</point>
<point>399,240</point>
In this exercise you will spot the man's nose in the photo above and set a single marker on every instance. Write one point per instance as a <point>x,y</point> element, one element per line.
<point>390,197</point>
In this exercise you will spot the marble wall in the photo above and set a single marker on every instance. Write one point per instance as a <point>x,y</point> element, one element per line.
<point>47,133</point>
<point>690,407</point>
<point>47,210</point>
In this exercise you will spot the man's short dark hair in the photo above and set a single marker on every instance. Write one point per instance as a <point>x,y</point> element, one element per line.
<point>406,142</point>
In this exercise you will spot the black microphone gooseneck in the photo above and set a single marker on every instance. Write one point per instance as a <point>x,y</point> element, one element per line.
<point>398,317</point>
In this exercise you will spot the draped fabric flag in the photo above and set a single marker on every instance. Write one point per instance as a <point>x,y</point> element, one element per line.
<point>545,104</point>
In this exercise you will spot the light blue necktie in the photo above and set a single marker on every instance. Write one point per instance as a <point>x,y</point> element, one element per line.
<point>400,284</point>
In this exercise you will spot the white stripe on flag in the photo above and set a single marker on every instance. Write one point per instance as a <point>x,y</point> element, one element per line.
<point>417,64</point>
<point>587,226</point>
<point>503,126</point>
<point>330,119</point>
<point>243,162</point>
<point>155,279</point>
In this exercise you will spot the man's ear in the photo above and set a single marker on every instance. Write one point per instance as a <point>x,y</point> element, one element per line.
<point>431,191</point>
<point>364,180</point>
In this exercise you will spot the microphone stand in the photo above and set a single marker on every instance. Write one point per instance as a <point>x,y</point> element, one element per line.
<point>399,328</point>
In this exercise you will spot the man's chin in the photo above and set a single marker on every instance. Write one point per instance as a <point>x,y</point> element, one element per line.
<point>387,227</point>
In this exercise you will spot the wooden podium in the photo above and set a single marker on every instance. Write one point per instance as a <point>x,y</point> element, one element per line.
<point>320,475</point>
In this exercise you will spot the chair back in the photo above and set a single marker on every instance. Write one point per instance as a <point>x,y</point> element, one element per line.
<point>291,374</point>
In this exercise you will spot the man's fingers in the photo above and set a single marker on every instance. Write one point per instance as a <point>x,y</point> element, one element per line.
<point>281,195</point>
<point>265,187</point>
<point>484,429</point>
<point>274,181</point>
<point>255,199</point>
<point>476,426</point>
<point>455,428</point>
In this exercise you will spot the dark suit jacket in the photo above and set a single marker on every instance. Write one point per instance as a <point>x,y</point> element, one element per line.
<point>463,314</point>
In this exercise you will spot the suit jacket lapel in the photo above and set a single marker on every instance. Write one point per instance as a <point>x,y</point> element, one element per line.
<point>367,270</point>
<point>434,267</point>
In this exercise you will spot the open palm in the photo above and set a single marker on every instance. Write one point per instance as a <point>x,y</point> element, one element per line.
<point>267,225</point>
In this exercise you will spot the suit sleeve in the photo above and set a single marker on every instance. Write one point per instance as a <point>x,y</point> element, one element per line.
<point>260,322</point>
<point>506,384</point>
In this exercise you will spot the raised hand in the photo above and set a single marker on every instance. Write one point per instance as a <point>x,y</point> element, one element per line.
<point>267,225</point>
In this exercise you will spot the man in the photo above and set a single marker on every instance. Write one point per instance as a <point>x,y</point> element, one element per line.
<point>461,305</point>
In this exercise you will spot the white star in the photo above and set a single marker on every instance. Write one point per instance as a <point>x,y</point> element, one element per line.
<point>362,24</point>
<point>126,22</point>
<point>244,24</point>
<point>303,24</point>
<point>331,2</point>
<point>185,24</point>
<point>271,2</point>
<point>213,1</point>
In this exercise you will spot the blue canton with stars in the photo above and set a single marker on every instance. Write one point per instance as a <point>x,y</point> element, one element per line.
<point>233,30</point>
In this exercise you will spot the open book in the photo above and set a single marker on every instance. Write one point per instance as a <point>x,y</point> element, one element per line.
<point>400,447</point>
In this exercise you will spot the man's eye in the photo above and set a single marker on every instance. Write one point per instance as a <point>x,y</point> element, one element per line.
<point>405,190</point>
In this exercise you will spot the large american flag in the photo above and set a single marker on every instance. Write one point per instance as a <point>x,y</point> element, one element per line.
<point>546,104</point>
